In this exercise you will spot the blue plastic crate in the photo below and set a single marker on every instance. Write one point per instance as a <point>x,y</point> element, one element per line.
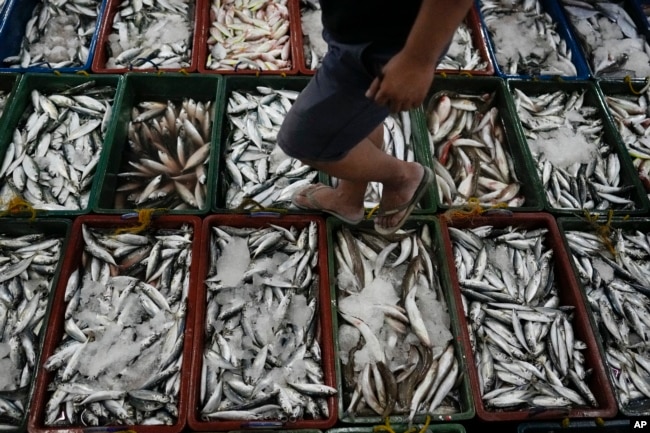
<point>13,21</point>
<point>577,58</point>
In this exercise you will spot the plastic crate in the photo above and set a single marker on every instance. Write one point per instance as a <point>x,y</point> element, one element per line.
<point>55,332</point>
<point>473,23</point>
<point>246,84</point>
<point>203,29</point>
<point>569,295</point>
<point>12,31</point>
<point>592,98</point>
<point>140,87</point>
<point>102,55</point>
<point>46,83</point>
<point>49,227</point>
<point>551,8</point>
<point>616,88</point>
<point>641,26</point>
<point>324,334</point>
<point>529,186</point>
<point>641,407</point>
<point>466,404</point>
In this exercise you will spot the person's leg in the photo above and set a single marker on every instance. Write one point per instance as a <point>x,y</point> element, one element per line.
<point>365,163</point>
<point>348,196</point>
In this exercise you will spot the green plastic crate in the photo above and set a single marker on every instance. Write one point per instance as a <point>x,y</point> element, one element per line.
<point>59,227</point>
<point>592,98</point>
<point>47,83</point>
<point>467,408</point>
<point>139,87</point>
<point>529,187</point>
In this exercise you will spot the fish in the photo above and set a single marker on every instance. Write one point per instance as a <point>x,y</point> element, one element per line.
<point>127,368</point>
<point>257,172</point>
<point>618,302</point>
<point>512,348</point>
<point>167,155</point>
<point>151,35</point>
<point>613,46</point>
<point>630,119</point>
<point>24,299</point>
<point>394,316</point>
<point>50,163</point>
<point>249,36</point>
<point>588,176</point>
<point>471,157</point>
<point>545,50</point>
<point>57,35</point>
<point>262,351</point>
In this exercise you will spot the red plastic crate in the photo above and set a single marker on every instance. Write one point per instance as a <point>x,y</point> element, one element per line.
<point>55,327</point>
<point>201,42</point>
<point>569,293</point>
<point>101,49</point>
<point>324,312</point>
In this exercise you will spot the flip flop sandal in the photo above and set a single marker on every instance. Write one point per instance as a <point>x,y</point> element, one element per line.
<point>407,208</point>
<point>308,192</point>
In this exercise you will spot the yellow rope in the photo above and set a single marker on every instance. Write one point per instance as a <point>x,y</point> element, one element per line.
<point>144,221</point>
<point>466,74</point>
<point>426,424</point>
<point>565,422</point>
<point>600,422</point>
<point>386,427</point>
<point>257,207</point>
<point>470,210</point>
<point>628,80</point>
<point>604,231</point>
<point>84,73</point>
<point>18,205</point>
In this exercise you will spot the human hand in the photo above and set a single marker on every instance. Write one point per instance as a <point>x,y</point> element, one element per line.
<point>403,83</point>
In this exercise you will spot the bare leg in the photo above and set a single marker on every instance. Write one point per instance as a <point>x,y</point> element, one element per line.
<point>365,163</point>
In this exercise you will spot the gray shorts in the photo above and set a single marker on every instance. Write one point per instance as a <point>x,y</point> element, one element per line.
<point>332,113</point>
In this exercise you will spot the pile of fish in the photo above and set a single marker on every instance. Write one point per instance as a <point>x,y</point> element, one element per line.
<point>147,34</point>
<point>462,54</point>
<point>314,46</point>
<point>395,340</point>
<point>525,350</point>
<point>51,161</point>
<point>249,34</point>
<point>121,352</point>
<point>632,119</point>
<point>262,353</point>
<point>255,167</point>
<point>398,143</point>
<point>57,35</point>
<point>610,40</point>
<point>525,38</point>
<point>470,156</point>
<point>584,175</point>
<point>613,269</point>
<point>28,265</point>
<point>166,161</point>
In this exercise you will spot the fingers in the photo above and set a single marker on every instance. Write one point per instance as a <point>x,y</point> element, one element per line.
<point>371,93</point>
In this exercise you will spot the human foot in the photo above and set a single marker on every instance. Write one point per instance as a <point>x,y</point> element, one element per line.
<point>396,205</point>
<point>315,196</point>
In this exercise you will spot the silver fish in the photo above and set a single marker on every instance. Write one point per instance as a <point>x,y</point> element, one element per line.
<point>127,369</point>
<point>151,35</point>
